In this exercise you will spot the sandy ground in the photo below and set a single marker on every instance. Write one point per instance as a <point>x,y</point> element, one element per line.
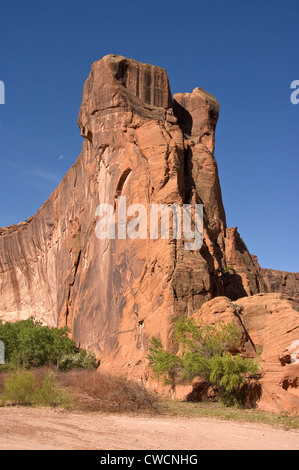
<point>41,429</point>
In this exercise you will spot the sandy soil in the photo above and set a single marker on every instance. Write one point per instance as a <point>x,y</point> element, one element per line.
<point>41,429</point>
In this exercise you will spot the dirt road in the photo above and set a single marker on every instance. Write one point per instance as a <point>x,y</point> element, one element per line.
<point>40,429</point>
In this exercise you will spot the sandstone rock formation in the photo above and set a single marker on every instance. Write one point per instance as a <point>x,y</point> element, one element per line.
<point>142,143</point>
<point>270,325</point>
<point>282,281</point>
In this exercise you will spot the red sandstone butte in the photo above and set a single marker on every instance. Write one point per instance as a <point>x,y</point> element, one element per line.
<point>142,143</point>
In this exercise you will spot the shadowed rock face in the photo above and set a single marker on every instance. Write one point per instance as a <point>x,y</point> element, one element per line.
<point>115,295</point>
<point>282,281</point>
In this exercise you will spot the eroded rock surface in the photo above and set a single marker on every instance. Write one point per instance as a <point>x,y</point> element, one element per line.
<point>282,281</point>
<point>270,325</point>
<point>142,143</point>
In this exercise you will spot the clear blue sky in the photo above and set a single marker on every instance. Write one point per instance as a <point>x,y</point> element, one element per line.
<point>243,52</point>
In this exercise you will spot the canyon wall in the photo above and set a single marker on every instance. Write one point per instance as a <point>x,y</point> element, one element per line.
<point>142,143</point>
<point>282,281</point>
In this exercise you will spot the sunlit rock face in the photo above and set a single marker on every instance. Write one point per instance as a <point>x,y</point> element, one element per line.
<point>142,143</point>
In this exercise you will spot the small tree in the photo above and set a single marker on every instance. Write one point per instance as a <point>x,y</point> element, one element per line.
<point>204,351</point>
<point>164,364</point>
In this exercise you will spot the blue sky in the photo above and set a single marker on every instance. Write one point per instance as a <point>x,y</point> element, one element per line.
<point>243,52</point>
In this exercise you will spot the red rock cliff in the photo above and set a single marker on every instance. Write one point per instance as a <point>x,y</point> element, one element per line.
<point>282,281</point>
<point>116,294</point>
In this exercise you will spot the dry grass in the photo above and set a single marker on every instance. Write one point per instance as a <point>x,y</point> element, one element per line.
<point>90,390</point>
<point>93,391</point>
<point>218,411</point>
<point>25,388</point>
<point>96,391</point>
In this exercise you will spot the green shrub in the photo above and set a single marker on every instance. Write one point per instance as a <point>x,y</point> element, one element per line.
<point>230,373</point>
<point>20,388</point>
<point>206,340</point>
<point>79,360</point>
<point>28,343</point>
<point>229,270</point>
<point>23,388</point>
<point>204,351</point>
<point>49,394</point>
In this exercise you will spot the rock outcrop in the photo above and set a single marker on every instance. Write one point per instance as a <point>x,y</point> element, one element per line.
<point>115,294</point>
<point>282,281</point>
<point>270,325</point>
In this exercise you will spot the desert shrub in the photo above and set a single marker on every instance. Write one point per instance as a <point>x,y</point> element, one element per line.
<point>98,391</point>
<point>28,343</point>
<point>20,388</point>
<point>84,390</point>
<point>229,270</point>
<point>25,389</point>
<point>79,360</point>
<point>205,351</point>
<point>231,374</point>
<point>48,394</point>
<point>206,340</point>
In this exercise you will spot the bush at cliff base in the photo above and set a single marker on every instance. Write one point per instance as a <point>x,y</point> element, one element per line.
<point>28,343</point>
<point>204,352</point>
